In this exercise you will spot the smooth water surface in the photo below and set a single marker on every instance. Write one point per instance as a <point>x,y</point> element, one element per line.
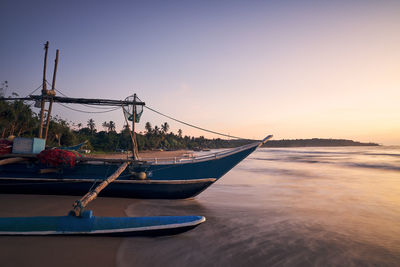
<point>285,207</point>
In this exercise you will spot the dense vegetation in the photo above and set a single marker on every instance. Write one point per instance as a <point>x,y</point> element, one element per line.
<point>17,118</point>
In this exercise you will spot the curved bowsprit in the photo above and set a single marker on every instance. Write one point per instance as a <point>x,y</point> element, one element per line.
<point>91,225</point>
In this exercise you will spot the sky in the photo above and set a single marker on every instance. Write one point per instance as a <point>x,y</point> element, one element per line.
<point>294,69</point>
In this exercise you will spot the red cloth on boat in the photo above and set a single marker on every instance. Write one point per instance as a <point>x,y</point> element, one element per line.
<point>5,146</point>
<point>59,157</point>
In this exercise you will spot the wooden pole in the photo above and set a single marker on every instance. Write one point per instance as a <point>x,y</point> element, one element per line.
<point>44,90</point>
<point>130,132</point>
<point>79,205</point>
<point>46,48</point>
<point>134,145</point>
<point>53,93</point>
<point>11,160</point>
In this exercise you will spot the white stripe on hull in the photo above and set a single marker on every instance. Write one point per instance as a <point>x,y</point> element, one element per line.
<point>191,181</point>
<point>110,231</point>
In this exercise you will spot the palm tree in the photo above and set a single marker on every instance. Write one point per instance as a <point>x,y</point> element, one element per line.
<point>156,130</point>
<point>91,125</point>
<point>180,133</point>
<point>164,127</point>
<point>148,128</point>
<point>106,126</point>
<point>111,126</point>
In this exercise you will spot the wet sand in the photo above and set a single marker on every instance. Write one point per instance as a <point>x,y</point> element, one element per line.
<point>62,250</point>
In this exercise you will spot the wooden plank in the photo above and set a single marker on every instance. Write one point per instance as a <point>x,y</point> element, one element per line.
<point>49,170</point>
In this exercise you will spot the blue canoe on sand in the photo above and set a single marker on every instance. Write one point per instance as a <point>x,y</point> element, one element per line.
<point>99,226</point>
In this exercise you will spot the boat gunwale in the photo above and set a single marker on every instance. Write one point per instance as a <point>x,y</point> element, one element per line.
<point>156,161</point>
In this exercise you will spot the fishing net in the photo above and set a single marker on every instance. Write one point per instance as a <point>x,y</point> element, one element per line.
<point>5,146</point>
<point>138,113</point>
<point>59,157</point>
<point>128,110</point>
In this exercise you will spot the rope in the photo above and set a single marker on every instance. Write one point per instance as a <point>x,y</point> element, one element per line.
<point>85,111</point>
<point>34,90</point>
<point>194,126</point>
<point>86,105</point>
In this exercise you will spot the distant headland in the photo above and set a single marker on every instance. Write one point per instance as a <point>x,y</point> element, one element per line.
<point>315,142</point>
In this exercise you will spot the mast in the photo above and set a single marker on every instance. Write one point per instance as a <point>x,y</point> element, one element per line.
<point>44,89</point>
<point>53,93</point>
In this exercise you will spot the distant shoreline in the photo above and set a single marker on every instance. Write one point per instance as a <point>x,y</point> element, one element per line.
<point>315,142</point>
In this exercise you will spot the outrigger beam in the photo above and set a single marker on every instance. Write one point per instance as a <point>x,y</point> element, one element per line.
<point>70,100</point>
<point>80,205</point>
<point>90,101</point>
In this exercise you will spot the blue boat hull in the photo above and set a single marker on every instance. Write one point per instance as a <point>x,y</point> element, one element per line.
<point>168,181</point>
<point>95,226</point>
<point>148,191</point>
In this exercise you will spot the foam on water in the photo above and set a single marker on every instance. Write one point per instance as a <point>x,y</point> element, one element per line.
<point>285,207</point>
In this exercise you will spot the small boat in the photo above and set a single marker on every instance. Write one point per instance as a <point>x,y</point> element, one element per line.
<point>104,226</point>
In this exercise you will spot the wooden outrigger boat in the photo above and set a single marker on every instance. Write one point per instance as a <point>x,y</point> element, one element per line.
<point>159,178</point>
<point>82,222</point>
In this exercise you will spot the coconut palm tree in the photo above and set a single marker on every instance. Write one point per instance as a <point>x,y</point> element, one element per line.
<point>164,127</point>
<point>106,126</point>
<point>91,125</point>
<point>148,128</point>
<point>111,126</point>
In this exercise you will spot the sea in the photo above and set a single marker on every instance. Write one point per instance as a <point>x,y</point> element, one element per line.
<point>285,207</point>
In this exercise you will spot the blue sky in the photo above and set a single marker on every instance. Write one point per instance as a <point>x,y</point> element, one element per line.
<point>295,69</point>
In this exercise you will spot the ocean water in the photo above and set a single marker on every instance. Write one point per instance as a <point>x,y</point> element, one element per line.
<point>285,207</point>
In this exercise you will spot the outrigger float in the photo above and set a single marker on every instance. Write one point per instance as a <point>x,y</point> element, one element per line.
<point>27,172</point>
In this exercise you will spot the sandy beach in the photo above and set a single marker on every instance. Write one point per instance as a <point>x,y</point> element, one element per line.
<point>63,250</point>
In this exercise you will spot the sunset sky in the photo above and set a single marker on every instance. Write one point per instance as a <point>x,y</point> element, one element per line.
<point>294,69</point>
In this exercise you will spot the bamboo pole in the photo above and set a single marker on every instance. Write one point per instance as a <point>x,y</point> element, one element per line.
<point>79,205</point>
<point>130,133</point>
<point>11,160</point>
<point>53,93</point>
<point>134,144</point>
<point>44,90</point>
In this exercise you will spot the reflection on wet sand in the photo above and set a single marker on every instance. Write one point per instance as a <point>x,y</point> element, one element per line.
<point>284,212</point>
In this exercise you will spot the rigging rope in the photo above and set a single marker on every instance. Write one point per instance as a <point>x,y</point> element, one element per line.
<point>194,126</point>
<point>35,90</point>
<point>85,111</point>
<point>86,105</point>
